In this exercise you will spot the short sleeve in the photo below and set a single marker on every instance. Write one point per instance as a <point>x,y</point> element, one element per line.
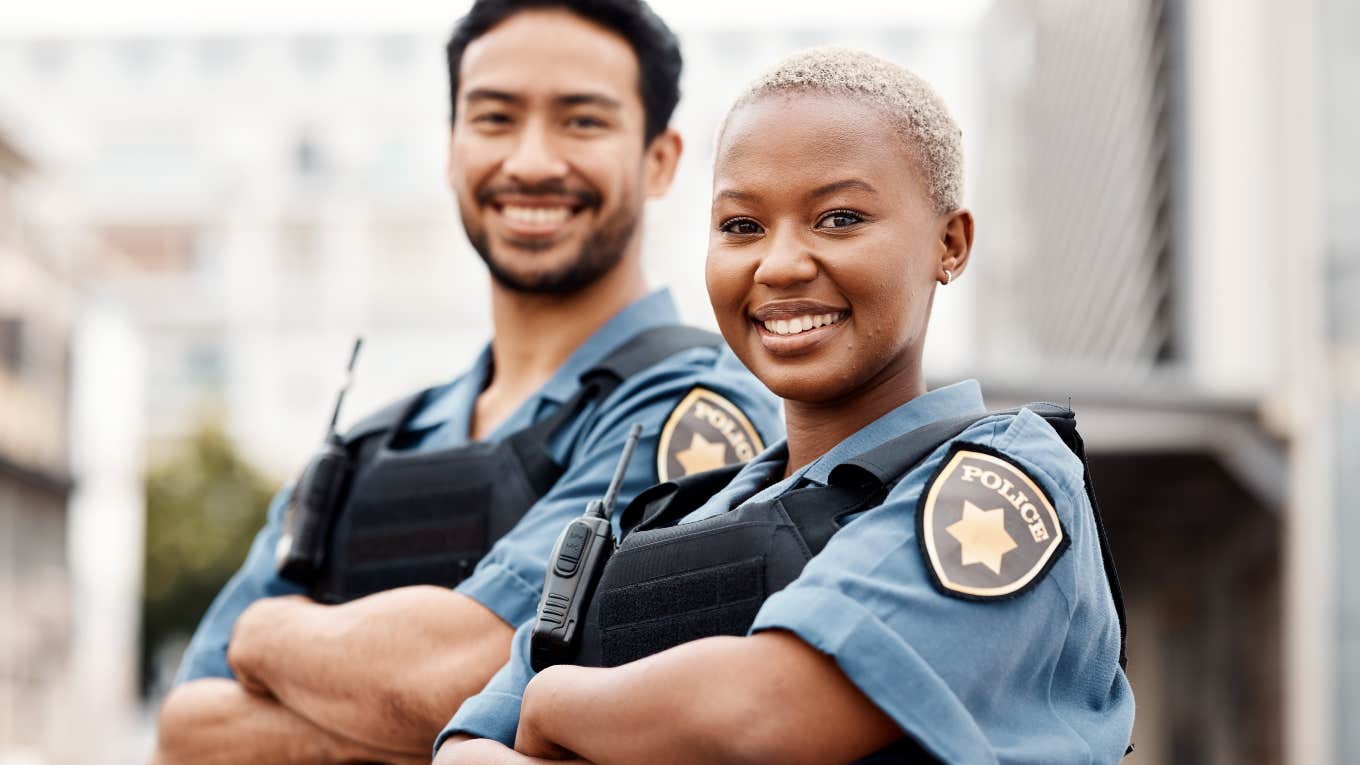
<point>206,655</point>
<point>494,713</point>
<point>1032,677</point>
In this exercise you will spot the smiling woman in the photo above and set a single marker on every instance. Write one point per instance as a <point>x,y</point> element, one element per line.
<point>907,578</point>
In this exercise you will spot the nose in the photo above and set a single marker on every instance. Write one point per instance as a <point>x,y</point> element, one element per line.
<point>535,158</point>
<point>788,261</point>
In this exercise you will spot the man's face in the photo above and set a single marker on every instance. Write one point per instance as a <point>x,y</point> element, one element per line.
<point>546,157</point>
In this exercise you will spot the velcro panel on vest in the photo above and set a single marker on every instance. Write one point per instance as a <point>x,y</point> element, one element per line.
<point>717,600</point>
<point>403,529</point>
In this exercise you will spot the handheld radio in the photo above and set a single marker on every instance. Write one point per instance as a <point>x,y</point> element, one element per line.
<point>573,569</point>
<point>311,508</point>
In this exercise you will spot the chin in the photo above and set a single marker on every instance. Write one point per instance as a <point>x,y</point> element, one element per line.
<point>810,385</point>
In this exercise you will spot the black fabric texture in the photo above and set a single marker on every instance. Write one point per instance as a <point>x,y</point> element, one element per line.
<point>718,600</point>
<point>427,517</point>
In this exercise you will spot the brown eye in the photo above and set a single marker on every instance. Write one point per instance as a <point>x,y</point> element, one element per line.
<point>582,122</point>
<point>839,219</point>
<point>740,227</point>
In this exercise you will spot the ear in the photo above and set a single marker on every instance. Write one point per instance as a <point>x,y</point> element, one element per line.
<point>956,244</point>
<point>663,156</point>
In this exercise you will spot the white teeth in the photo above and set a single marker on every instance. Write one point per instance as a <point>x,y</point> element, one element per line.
<point>538,216</point>
<point>800,323</point>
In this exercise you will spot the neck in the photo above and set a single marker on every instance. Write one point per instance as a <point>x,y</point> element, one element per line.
<point>535,334</point>
<point>814,428</point>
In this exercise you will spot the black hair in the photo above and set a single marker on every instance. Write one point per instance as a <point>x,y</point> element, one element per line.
<point>654,44</point>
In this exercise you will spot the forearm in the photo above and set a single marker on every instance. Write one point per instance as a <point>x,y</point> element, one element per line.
<point>389,669</point>
<point>766,698</point>
<point>643,711</point>
<point>211,721</point>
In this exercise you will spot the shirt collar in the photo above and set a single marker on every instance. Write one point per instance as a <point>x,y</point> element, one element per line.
<point>952,401</point>
<point>648,312</point>
<point>453,403</point>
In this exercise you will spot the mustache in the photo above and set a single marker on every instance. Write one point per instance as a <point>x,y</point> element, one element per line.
<point>554,188</point>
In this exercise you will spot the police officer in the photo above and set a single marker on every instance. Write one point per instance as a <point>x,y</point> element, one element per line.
<point>908,578</point>
<point>559,135</point>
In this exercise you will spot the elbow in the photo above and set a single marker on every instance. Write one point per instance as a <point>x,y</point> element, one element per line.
<point>180,715</point>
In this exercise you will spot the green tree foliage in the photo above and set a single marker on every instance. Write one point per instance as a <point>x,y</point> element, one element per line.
<point>203,507</point>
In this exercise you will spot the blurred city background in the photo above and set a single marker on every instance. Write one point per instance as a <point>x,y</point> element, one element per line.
<point>200,204</point>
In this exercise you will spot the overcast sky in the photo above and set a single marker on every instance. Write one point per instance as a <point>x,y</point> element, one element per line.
<point>101,17</point>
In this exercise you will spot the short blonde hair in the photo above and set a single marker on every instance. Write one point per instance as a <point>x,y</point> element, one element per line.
<point>908,101</point>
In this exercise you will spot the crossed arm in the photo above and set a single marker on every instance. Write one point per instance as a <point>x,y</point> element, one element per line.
<point>765,698</point>
<point>214,721</point>
<point>382,673</point>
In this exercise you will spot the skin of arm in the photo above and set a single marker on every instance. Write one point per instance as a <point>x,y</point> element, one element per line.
<point>388,669</point>
<point>215,721</point>
<point>465,750</point>
<point>765,698</point>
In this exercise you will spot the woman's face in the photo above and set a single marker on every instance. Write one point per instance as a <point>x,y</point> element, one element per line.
<point>824,247</point>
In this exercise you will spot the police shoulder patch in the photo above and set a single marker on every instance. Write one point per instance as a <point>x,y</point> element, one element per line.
<point>987,530</point>
<point>705,431</point>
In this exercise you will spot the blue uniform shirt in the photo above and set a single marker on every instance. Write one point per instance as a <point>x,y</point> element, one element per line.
<point>1032,678</point>
<point>509,579</point>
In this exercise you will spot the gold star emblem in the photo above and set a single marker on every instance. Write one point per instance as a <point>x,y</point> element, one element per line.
<point>982,536</point>
<point>702,455</point>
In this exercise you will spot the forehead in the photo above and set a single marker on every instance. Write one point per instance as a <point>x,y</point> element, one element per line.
<point>793,140</point>
<point>548,53</point>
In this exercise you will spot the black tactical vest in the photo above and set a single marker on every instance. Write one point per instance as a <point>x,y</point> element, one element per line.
<point>670,583</point>
<point>427,517</point>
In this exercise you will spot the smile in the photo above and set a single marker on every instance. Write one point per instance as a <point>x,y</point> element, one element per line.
<point>535,220</point>
<point>795,325</point>
<point>536,216</point>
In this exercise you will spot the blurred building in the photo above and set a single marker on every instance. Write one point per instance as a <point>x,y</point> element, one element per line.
<point>272,196</point>
<point>37,320</point>
<point>1155,249</point>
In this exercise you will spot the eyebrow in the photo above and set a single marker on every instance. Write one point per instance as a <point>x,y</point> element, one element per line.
<point>569,99</point>
<point>740,196</point>
<point>588,99</point>
<point>831,188</point>
<point>490,94</point>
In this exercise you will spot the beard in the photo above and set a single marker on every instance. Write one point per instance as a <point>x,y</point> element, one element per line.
<point>599,254</point>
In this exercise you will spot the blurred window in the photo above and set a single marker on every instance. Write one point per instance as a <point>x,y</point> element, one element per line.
<point>204,368</point>
<point>217,54</point>
<point>12,344</point>
<point>397,52</point>
<point>139,56</point>
<point>308,160</point>
<point>160,248</point>
<point>313,54</point>
<point>299,251</point>
<point>47,58</point>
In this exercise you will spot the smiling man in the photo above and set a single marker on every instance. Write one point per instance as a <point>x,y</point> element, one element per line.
<point>433,546</point>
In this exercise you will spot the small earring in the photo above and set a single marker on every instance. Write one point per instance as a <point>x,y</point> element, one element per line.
<point>948,277</point>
